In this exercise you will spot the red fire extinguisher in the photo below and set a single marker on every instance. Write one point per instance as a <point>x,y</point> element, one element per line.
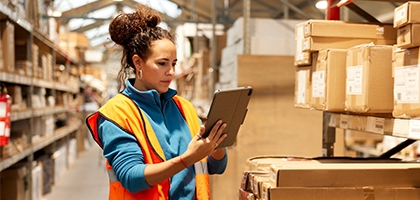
<point>5,122</point>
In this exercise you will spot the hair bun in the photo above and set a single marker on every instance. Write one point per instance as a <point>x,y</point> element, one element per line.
<point>125,26</point>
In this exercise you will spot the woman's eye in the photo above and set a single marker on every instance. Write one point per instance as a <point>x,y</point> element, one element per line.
<point>161,63</point>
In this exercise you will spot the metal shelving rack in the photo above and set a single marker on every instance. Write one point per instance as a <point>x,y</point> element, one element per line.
<point>24,30</point>
<point>384,125</point>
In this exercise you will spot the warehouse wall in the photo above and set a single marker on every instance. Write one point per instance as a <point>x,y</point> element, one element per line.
<point>273,125</point>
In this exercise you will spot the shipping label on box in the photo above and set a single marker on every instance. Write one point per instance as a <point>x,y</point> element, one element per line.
<point>408,36</point>
<point>369,85</point>
<point>407,13</point>
<point>406,83</point>
<point>303,87</point>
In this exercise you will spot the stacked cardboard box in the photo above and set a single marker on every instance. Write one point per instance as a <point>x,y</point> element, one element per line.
<point>406,61</point>
<point>321,51</point>
<point>303,178</point>
<point>369,86</point>
<point>266,37</point>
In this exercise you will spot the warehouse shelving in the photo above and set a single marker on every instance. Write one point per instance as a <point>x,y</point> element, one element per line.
<point>374,124</point>
<point>66,119</point>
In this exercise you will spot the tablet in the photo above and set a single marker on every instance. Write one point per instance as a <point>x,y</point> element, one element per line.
<point>231,106</point>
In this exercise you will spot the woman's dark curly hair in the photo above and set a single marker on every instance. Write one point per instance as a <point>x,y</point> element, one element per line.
<point>136,32</point>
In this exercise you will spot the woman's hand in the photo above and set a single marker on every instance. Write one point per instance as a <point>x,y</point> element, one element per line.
<point>200,147</point>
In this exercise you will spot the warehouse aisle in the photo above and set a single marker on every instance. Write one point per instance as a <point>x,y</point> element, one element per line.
<point>86,179</point>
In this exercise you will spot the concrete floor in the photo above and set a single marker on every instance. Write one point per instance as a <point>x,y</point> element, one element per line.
<point>86,179</point>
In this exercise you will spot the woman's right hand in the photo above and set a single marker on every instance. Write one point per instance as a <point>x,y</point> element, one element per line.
<point>200,147</point>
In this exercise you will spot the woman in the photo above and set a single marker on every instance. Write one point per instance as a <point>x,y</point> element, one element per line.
<point>149,135</point>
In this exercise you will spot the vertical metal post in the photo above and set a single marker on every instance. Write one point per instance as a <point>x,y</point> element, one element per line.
<point>328,135</point>
<point>195,19</point>
<point>246,15</point>
<point>332,11</point>
<point>213,55</point>
<point>286,11</point>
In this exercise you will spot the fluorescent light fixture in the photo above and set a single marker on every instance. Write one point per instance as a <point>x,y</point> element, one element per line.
<point>322,5</point>
<point>56,14</point>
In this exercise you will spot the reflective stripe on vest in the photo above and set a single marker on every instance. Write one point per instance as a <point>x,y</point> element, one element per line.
<point>128,119</point>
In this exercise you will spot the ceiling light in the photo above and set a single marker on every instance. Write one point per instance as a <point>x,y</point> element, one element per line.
<point>56,14</point>
<point>321,4</point>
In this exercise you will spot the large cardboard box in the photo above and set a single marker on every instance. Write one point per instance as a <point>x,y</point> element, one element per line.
<point>328,80</point>
<point>322,34</point>
<point>312,44</point>
<point>369,85</point>
<point>407,13</point>
<point>7,33</point>
<point>408,36</point>
<point>345,175</point>
<point>343,29</point>
<point>406,83</point>
<point>341,193</point>
<point>12,183</point>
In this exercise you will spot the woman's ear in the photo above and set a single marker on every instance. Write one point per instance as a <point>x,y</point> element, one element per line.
<point>137,61</point>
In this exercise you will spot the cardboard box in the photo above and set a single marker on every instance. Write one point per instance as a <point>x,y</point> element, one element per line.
<point>406,78</point>
<point>323,34</point>
<point>408,36</point>
<point>7,34</point>
<point>345,175</point>
<point>318,43</point>
<point>257,182</point>
<point>13,181</point>
<point>245,195</point>
<point>328,80</point>
<point>407,13</point>
<point>369,85</point>
<point>264,162</point>
<point>343,29</point>
<point>342,193</point>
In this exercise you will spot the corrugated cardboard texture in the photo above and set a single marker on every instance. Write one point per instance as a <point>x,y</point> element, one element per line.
<point>407,13</point>
<point>377,84</point>
<point>273,125</point>
<point>343,193</point>
<point>333,63</point>
<point>408,36</point>
<point>319,43</point>
<point>342,29</point>
<point>406,57</point>
<point>345,175</point>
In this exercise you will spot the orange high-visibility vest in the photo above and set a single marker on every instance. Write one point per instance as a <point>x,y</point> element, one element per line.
<point>124,112</point>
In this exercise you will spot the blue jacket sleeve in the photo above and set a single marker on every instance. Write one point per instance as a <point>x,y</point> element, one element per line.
<point>217,166</point>
<point>123,153</point>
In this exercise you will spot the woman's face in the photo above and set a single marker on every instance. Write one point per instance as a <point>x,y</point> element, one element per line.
<point>158,69</point>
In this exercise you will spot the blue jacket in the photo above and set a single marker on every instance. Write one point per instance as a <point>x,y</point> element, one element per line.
<point>125,156</point>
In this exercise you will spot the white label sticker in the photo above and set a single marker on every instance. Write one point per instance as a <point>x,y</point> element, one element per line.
<point>2,128</point>
<point>344,121</point>
<point>318,84</point>
<point>414,131</point>
<point>301,87</point>
<point>299,40</point>
<point>376,125</point>
<point>354,80</point>
<point>400,14</point>
<point>406,84</point>
<point>3,109</point>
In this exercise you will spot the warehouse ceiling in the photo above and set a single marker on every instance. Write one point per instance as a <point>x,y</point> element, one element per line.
<point>92,17</point>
